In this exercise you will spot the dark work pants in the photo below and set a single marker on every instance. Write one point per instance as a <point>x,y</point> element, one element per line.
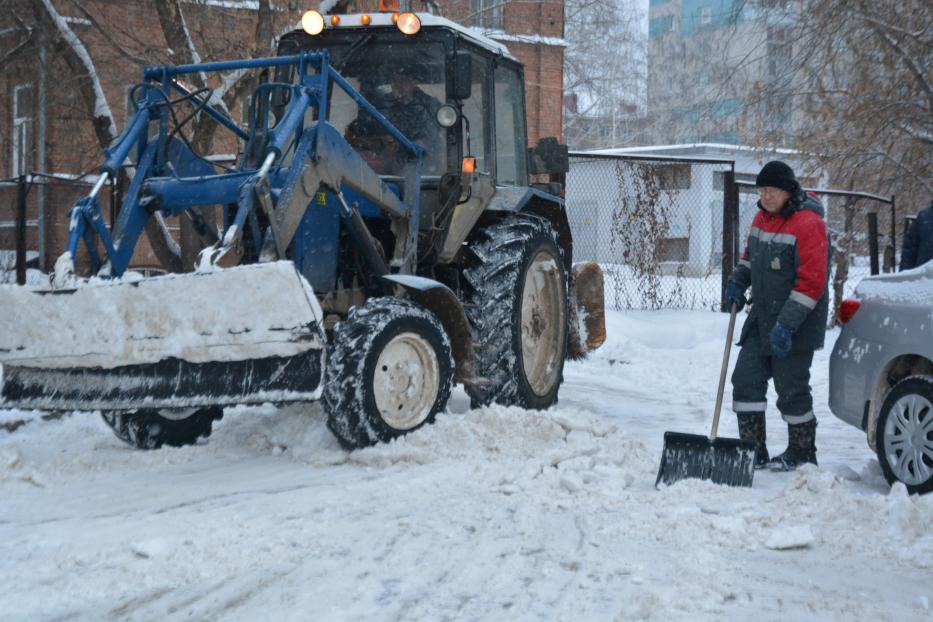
<point>791,381</point>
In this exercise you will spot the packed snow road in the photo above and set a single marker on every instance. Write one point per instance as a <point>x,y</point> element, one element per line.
<point>490,514</point>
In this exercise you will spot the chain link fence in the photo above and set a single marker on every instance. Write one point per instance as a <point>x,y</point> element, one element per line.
<point>668,230</point>
<point>654,224</point>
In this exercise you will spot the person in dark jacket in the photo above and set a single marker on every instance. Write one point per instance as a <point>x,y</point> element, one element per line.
<point>786,263</point>
<point>918,240</point>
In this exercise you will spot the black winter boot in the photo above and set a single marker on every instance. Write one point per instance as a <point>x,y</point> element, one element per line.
<point>801,447</point>
<point>752,429</point>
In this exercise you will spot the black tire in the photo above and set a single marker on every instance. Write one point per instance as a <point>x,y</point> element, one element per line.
<point>907,457</point>
<point>147,429</point>
<point>504,256</point>
<point>365,405</point>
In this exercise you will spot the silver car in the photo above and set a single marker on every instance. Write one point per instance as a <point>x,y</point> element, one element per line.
<point>881,372</point>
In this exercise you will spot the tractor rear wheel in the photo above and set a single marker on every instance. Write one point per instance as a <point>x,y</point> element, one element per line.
<point>516,302</point>
<point>151,429</point>
<point>389,372</point>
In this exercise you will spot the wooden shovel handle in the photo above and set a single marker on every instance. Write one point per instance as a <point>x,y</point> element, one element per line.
<point>722,374</point>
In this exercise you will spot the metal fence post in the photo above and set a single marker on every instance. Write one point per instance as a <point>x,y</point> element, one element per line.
<point>730,215</point>
<point>873,241</point>
<point>21,231</point>
<point>894,231</point>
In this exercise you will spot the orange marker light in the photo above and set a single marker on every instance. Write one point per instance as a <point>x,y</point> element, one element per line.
<point>468,166</point>
<point>395,17</point>
<point>334,20</point>
<point>366,19</point>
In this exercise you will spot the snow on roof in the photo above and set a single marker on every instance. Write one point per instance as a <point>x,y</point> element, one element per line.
<point>250,5</point>
<point>354,20</point>
<point>624,152</point>
<point>501,35</point>
<point>694,147</point>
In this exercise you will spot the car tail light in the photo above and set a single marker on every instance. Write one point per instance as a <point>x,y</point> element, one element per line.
<point>847,309</point>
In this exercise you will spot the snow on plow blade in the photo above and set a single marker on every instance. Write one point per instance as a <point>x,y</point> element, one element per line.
<point>241,335</point>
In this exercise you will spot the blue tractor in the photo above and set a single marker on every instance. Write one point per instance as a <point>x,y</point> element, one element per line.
<point>376,242</point>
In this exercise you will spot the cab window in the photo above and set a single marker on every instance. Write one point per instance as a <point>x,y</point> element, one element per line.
<point>510,129</point>
<point>475,111</point>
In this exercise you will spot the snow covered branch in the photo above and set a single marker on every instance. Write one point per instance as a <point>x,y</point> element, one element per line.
<point>102,115</point>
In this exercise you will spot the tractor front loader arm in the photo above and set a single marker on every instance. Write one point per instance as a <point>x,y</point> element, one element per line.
<point>244,334</point>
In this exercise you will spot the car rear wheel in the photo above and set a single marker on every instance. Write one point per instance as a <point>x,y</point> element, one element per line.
<point>905,434</point>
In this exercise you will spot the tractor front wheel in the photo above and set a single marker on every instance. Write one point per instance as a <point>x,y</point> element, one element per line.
<point>389,371</point>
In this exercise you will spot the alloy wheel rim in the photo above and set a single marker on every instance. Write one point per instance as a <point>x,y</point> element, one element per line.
<point>908,439</point>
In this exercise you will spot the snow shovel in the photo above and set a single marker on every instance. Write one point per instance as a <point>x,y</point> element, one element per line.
<point>720,460</point>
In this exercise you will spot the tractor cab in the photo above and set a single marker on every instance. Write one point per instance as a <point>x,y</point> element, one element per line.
<point>451,91</point>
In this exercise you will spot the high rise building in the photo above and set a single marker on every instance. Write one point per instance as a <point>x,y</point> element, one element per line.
<point>708,63</point>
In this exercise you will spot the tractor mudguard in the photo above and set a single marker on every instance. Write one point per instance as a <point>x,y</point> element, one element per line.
<point>506,199</point>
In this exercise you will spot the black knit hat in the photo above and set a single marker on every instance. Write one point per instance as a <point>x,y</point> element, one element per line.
<point>777,174</point>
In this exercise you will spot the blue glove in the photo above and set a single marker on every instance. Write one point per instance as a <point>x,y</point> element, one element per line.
<point>781,338</point>
<point>735,293</point>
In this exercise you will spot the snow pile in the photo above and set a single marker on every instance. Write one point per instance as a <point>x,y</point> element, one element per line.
<point>238,313</point>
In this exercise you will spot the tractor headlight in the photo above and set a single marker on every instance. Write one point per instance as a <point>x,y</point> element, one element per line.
<point>409,23</point>
<point>446,115</point>
<point>312,22</point>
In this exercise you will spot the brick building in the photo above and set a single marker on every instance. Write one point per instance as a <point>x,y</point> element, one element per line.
<point>46,94</point>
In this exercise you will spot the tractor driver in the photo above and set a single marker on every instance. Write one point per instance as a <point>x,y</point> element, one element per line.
<point>409,109</point>
<point>374,144</point>
<point>414,112</point>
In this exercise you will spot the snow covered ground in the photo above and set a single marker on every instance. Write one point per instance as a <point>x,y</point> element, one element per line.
<point>490,514</point>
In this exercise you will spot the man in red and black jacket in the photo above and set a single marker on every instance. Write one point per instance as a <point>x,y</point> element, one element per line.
<point>786,262</point>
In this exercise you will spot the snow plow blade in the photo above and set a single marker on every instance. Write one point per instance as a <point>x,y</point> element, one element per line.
<point>240,335</point>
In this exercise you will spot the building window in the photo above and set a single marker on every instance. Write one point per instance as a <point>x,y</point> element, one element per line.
<point>660,26</point>
<point>22,129</point>
<point>486,13</point>
<point>674,249</point>
<point>669,176</point>
<point>725,108</point>
<point>706,15</point>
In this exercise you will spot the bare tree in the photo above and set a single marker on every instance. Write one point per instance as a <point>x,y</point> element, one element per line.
<point>855,79</point>
<point>604,71</point>
<point>79,61</point>
<point>92,47</point>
